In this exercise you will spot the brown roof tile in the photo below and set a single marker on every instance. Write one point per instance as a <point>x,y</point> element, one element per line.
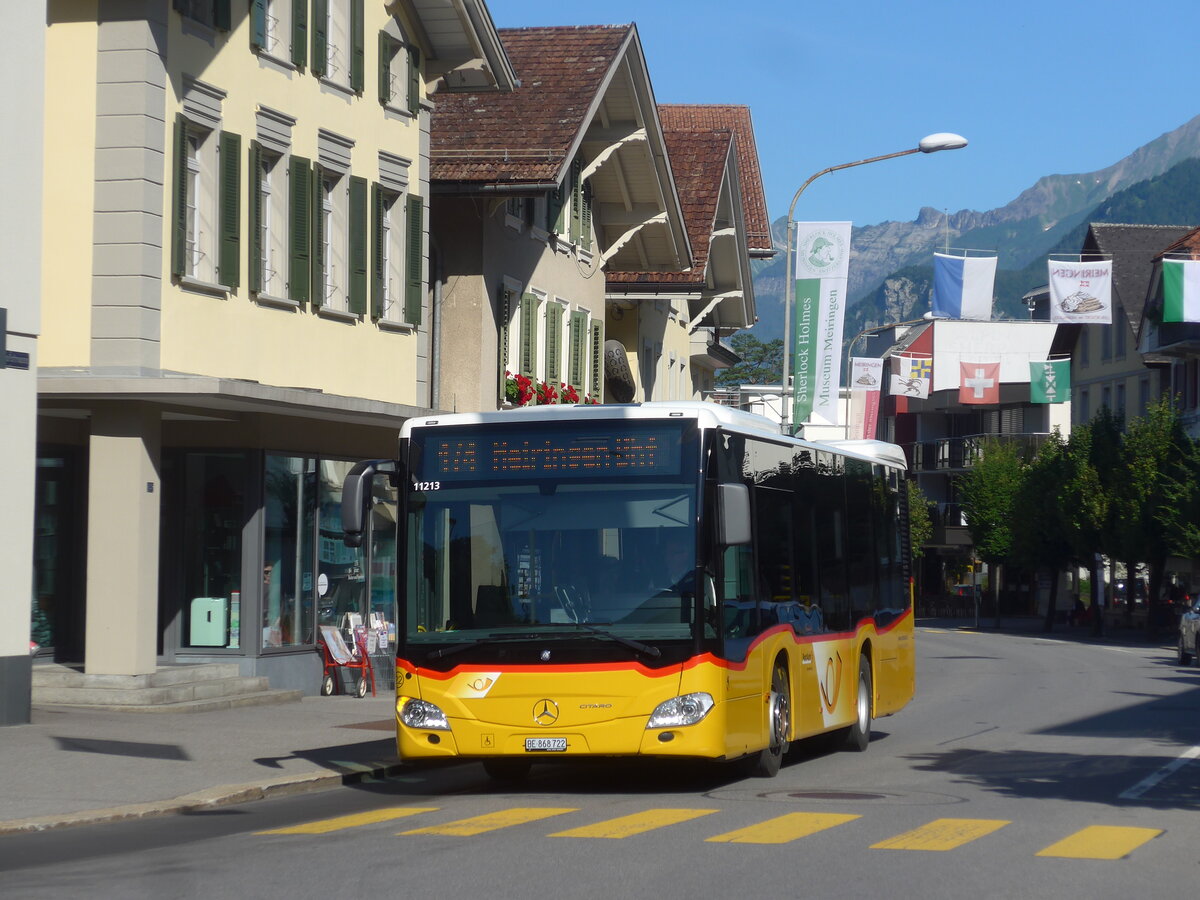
<point>525,135</point>
<point>697,161</point>
<point>730,117</point>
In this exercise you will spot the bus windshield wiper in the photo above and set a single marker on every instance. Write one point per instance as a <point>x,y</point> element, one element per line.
<point>628,642</point>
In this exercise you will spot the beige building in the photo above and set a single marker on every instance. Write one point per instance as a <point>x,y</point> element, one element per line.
<point>236,288</point>
<point>528,219</point>
<point>671,322</point>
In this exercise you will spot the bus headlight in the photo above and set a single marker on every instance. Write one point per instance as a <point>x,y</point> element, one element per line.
<point>685,710</point>
<point>419,714</point>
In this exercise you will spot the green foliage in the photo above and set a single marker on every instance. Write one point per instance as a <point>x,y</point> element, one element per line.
<point>1042,509</point>
<point>989,491</point>
<point>920,523</point>
<point>761,363</point>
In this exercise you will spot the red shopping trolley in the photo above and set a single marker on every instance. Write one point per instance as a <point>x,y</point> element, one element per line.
<point>339,658</point>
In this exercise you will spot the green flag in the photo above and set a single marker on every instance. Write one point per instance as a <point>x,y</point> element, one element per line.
<point>1050,382</point>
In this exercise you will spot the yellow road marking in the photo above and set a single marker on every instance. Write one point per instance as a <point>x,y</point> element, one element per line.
<point>637,823</point>
<point>942,834</point>
<point>1101,842</point>
<point>324,826</point>
<point>493,821</point>
<point>784,829</point>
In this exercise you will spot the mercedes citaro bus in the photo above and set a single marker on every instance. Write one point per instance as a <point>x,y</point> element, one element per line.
<point>671,580</point>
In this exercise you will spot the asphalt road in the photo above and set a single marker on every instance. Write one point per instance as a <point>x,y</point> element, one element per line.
<point>1026,767</point>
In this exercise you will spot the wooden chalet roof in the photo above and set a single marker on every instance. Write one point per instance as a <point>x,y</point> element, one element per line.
<point>527,136</point>
<point>1134,248</point>
<point>728,117</point>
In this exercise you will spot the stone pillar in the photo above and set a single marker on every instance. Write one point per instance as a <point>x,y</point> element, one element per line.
<point>124,491</point>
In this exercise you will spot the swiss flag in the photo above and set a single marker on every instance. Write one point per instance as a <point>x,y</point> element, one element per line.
<point>979,382</point>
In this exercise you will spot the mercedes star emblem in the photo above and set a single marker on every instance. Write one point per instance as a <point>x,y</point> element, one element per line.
<point>545,712</point>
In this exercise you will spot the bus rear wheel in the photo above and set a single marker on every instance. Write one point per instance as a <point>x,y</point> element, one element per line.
<point>858,735</point>
<point>779,724</point>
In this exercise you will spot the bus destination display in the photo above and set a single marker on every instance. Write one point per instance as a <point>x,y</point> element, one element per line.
<point>563,454</point>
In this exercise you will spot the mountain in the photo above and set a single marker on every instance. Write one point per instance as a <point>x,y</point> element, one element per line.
<point>1023,231</point>
<point>1172,198</point>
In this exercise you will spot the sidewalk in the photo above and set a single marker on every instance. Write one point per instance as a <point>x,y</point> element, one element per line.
<point>1034,626</point>
<point>76,766</point>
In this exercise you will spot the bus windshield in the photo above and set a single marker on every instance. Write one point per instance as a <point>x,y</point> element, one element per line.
<point>551,531</point>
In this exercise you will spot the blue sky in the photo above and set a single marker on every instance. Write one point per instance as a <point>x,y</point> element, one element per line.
<point>1038,87</point>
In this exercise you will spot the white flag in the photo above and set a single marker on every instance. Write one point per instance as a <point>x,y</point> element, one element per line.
<point>1081,291</point>
<point>910,377</point>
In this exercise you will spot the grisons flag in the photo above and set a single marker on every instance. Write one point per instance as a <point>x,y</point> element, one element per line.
<point>1181,290</point>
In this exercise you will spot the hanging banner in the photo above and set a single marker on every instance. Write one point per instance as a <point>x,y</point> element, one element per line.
<point>822,265</point>
<point>866,379</point>
<point>963,286</point>
<point>911,376</point>
<point>1181,290</point>
<point>1081,291</point>
<point>1050,381</point>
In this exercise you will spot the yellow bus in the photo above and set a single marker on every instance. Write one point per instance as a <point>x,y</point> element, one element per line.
<point>671,580</point>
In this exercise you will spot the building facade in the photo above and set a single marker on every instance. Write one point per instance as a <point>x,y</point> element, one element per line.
<point>236,282</point>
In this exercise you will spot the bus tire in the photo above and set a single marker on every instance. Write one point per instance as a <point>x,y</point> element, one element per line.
<point>858,735</point>
<point>507,769</point>
<point>779,723</point>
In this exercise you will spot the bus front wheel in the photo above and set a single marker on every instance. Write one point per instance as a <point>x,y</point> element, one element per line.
<point>859,734</point>
<point>779,724</point>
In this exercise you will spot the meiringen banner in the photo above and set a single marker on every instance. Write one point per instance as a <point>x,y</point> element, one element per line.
<point>822,266</point>
<point>1081,291</point>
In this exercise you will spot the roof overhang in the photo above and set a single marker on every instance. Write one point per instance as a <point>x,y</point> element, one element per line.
<point>460,40</point>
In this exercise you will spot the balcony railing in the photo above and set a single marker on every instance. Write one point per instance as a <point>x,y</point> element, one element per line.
<point>957,454</point>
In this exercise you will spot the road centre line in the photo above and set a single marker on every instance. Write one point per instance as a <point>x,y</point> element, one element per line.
<point>1165,772</point>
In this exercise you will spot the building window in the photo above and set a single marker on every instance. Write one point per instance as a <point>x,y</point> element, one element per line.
<point>399,74</point>
<point>269,222</point>
<point>1085,414</point>
<point>1085,341</point>
<point>1143,396</point>
<point>1120,408</point>
<point>1120,327</point>
<point>213,13</point>
<point>205,243</point>
<point>338,35</point>
<point>388,241</point>
<point>339,249</point>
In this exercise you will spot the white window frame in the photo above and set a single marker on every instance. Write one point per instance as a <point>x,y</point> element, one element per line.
<point>278,37</point>
<point>393,225</point>
<point>272,186</point>
<point>200,201</point>
<point>337,43</point>
<point>335,250</point>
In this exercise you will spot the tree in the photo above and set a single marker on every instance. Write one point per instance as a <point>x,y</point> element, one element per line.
<point>988,491</point>
<point>761,363</point>
<point>1042,537</point>
<point>920,523</point>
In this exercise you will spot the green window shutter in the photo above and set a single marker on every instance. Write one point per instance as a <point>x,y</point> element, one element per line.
<point>528,336</point>
<point>358,42</point>
<point>179,201</point>
<point>299,33</point>
<point>222,14</point>
<point>255,216</point>
<point>578,342</point>
<point>576,200</point>
<point>596,381</point>
<point>504,313</point>
<point>299,228</point>
<point>317,254</point>
<point>320,37</point>
<point>229,269</point>
<point>555,208</point>
<point>414,80</point>
<point>387,51</point>
<point>358,245</point>
<point>258,24</point>
<point>378,275</point>
<point>586,216</point>
<point>554,318</point>
<point>414,257</point>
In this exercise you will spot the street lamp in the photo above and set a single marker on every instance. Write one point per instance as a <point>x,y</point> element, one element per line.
<point>930,144</point>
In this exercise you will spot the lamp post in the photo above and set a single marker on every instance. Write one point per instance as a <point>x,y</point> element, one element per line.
<point>929,144</point>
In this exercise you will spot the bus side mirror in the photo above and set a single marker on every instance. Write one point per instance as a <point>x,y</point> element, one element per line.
<point>733,514</point>
<point>356,497</point>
